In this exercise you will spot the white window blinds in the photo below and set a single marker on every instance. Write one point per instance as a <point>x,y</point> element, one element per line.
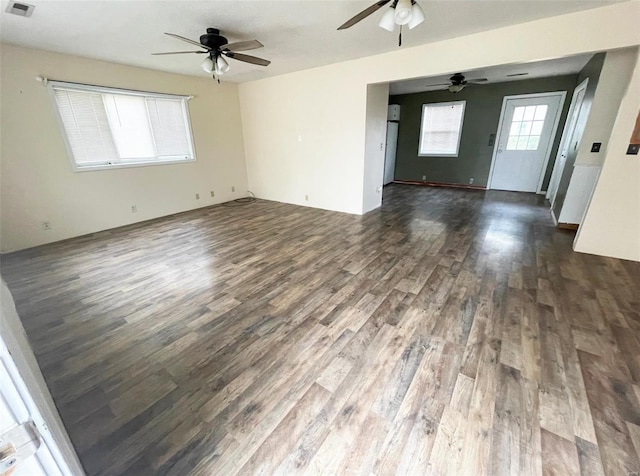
<point>106,127</point>
<point>85,122</point>
<point>168,125</point>
<point>441,129</point>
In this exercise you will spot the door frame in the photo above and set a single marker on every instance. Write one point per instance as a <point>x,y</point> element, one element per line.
<point>556,174</point>
<point>554,131</point>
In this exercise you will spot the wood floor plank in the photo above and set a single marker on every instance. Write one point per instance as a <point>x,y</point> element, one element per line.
<point>530,437</point>
<point>282,440</point>
<point>559,456</point>
<point>449,332</point>
<point>507,432</point>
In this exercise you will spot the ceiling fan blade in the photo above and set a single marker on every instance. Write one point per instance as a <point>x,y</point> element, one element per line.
<point>477,80</point>
<point>243,45</point>
<point>363,14</point>
<point>179,52</point>
<point>193,42</point>
<point>440,84</point>
<point>246,58</point>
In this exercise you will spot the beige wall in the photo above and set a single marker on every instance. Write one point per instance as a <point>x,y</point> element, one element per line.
<point>315,139</point>
<point>304,136</point>
<point>612,84</point>
<point>611,226</point>
<point>38,184</point>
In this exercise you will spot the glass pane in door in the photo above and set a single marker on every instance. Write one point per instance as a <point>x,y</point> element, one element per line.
<point>526,127</point>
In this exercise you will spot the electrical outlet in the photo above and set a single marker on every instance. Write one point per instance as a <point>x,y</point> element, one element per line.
<point>381,146</point>
<point>233,188</point>
<point>197,196</point>
<point>212,193</point>
<point>134,209</point>
<point>306,198</point>
<point>45,225</point>
<point>424,177</point>
<point>471,181</point>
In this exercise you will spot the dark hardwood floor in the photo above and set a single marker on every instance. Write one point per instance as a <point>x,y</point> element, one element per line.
<point>450,332</point>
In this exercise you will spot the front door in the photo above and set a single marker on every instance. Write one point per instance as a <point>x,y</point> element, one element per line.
<point>524,142</point>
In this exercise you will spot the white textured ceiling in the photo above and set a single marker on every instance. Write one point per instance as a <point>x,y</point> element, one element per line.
<point>497,74</point>
<point>296,34</point>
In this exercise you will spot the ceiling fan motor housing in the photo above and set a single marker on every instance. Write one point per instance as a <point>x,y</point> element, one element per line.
<point>213,39</point>
<point>457,79</point>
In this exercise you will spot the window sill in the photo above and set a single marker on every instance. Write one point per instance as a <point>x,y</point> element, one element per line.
<point>89,168</point>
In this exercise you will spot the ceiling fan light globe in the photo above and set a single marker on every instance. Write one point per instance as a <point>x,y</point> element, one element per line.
<point>456,88</point>
<point>207,65</point>
<point>417,16</point>
<point>388,20</point>
<point>403,12</point>
<point>222,66</point>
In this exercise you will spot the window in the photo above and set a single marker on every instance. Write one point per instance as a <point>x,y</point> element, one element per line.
<point>526,127</point>
<point>107,128</point>
<point>441,129</point>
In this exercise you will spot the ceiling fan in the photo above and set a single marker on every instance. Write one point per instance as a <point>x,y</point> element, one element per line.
<point>458,82</point>
<point>216,47</point>
<point>401,12</point>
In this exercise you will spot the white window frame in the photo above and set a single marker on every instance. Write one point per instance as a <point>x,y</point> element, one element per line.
<point>140,162</point>
<point>441,104</point>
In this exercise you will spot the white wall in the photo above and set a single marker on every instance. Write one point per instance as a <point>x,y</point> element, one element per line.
<point>581,186</point>
<point>294,121</point>
<point>611,226</point>
<point>612,84</point>
<point>374,149</point>
<point>299,132</point>
<point>38,184</point>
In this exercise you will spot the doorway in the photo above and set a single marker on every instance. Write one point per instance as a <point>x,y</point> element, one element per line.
<point>528,125</point>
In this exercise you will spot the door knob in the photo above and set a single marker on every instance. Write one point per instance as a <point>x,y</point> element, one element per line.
<point>18,444</point>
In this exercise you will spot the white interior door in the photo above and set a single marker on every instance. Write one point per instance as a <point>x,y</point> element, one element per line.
<point>568,140</point>
<point>33,441</point>
<point>524,142</point>
<point>14,412</point>
<point>390,152</point>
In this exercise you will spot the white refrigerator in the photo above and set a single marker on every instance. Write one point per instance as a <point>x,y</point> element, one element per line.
<point>393,121</point>
<point>390,151</point>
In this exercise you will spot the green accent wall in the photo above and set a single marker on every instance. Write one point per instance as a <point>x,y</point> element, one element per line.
<point>481,117</point>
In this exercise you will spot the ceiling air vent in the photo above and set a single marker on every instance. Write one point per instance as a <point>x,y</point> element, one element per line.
<point>19,8</point>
